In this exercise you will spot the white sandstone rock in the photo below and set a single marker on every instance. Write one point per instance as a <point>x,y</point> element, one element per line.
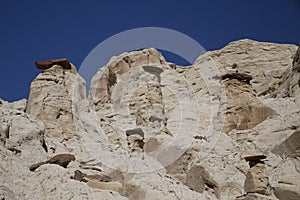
<point>226,127</point>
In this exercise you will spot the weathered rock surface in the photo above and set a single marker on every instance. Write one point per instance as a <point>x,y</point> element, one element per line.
<point>17,105</point>
<point>226,127</point>
<point>256,180</point>
<point>290,83</point>
<point>79,176</point>
<point>244,109</point>
<point>52,94</point>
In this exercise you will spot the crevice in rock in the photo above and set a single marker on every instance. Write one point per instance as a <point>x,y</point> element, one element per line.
<point>245,78</point>
<point>200,137</point>
<point>56,81</point>
<point>7,133</point>
<point>112,79</point>
<point>60,113</point>
<point>53,150</point>
<point>128,60</point>
<point>14,150</point>
<point>44,145</point>
<point>140,143</point>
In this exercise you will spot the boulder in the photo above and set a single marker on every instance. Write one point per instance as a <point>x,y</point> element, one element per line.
<point>244,109</point>
<point>290,146</point>
<point>286,192</point>
<point>49,63</point>
<point>256,180</point>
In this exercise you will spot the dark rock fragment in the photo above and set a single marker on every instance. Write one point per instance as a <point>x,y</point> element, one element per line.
<point>136,131</point>
<point>60,159</point>
<point>64,62</point>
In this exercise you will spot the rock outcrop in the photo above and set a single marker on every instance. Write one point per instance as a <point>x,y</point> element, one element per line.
<point>52,95</point>
<point>290,83</point>
<point>226,127</point>
<point>17,105</point>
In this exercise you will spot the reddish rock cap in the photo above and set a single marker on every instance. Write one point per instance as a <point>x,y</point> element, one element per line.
<point>64,62</point>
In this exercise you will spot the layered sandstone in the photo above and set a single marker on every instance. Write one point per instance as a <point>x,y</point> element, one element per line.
<point>226,127</point>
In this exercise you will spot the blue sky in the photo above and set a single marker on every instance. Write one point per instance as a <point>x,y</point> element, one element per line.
<point>42,30</point>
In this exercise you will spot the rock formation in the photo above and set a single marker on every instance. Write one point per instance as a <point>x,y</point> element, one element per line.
<point>226,127</point>
<point>52,94</point>
<point>48,64</point>
<point>60,159</point>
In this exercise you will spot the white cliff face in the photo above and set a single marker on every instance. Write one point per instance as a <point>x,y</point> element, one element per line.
<point>226,127</point>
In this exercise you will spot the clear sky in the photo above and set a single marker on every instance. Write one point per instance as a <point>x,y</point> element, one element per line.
<point>43,30</point>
